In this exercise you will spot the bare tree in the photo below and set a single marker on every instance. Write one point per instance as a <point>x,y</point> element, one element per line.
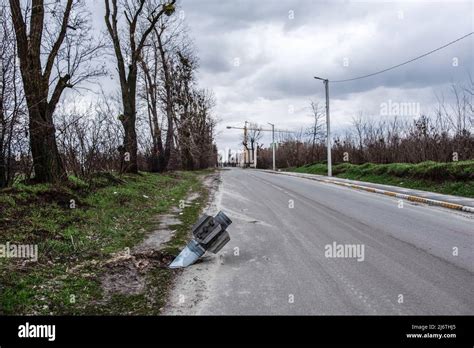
<point>157,64</point>
<point>203,129</point>
<point>254,134</point>
<point>140,21</point>
<point>150,69</point>
<point>316,131</point>
<point>183,93</point>
<point>11,99</point>
<point>88,136</point>
<point>60,32</point>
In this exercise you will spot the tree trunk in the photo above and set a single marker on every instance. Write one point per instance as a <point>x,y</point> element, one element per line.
<point>165,153</point>
<point>128,119</point>
<point>157,156</point>
<point>47,163</point>
<point>3,172</point>
<point>158,162</point>
<point>130,160</point>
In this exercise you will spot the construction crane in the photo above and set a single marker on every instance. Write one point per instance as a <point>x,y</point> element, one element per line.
<point>273,130</point>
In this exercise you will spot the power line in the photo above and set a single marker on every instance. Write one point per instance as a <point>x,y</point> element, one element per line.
<point>408,61</point>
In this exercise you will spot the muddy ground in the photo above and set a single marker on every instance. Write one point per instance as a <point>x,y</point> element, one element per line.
<point>128,272</point>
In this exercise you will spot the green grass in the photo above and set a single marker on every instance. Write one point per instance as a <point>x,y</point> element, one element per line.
<point>81,225</point>
<point>454,178</point>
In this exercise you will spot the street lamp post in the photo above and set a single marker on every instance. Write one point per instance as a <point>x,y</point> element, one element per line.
<point>328,124</point>
<point>273,144</point>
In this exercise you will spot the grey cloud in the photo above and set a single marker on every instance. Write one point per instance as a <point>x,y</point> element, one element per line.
<point>391,45</point>
<point>279,55</point>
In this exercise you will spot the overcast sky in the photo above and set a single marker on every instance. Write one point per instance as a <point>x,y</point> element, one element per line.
<point>259,56</point>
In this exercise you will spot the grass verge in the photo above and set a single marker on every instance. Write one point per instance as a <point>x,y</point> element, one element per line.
<point>454,178</point>
<point>78,229</point>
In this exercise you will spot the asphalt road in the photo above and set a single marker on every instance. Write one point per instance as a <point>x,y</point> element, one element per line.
<point>276,261</point>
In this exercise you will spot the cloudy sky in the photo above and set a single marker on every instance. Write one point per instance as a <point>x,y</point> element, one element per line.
<point>259,57</point>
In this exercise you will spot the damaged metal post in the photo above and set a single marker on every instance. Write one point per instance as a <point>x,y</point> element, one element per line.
<point>209,235</point>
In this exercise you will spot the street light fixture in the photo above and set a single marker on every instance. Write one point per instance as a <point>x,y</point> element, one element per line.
<point>328,124</point>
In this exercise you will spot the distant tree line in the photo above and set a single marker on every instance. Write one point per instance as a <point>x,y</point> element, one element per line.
<point>156,120</point>
<point>445,136</point>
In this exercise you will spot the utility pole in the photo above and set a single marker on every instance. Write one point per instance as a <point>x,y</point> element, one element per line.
<point>273,144</point>
<point>328,124</point>
<point>255,155</point>
<point>247,153</point>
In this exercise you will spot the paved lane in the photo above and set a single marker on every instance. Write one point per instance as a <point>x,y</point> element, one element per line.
<point>276,262</point>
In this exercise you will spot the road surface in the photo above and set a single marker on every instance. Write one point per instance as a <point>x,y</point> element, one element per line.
<point>413,259</point>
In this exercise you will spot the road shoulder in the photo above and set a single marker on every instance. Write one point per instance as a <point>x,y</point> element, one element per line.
<point>191,286</point>
<point>436,199</point>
